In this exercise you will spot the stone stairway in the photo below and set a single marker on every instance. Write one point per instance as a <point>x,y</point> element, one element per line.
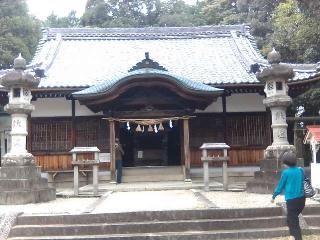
<point>311,215</point>
<point>206,224</point>
<point>152,174</point>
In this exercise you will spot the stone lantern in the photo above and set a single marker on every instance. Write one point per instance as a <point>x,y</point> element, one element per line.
<point>20,178</point>
<point>275,79</point>
<point>277,99</point>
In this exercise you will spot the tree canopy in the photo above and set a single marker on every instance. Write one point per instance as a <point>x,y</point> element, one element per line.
<point>140,13</point>
<point>19,32</point>
<point>62,22</point>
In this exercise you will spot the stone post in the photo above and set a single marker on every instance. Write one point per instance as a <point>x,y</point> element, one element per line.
<point>20,178</point>
<point>275,79</point>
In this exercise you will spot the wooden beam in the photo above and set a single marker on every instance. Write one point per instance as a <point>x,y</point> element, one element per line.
<point>73,124</point>
<point>112,151</point>
<point>186,147</point>
<point>304,119</point>
<point>148,114</point>
<point>224,117</point>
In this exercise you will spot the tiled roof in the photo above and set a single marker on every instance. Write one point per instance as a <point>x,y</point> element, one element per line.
<point>147,73</point>
<point>215,55</point>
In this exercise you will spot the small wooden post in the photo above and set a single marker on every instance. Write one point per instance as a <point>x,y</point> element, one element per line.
<point>186,149</point>
<point>112,151</point>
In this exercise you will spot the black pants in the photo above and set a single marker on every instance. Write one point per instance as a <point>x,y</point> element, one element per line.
<point>294,208</point>
<point>119,171</point>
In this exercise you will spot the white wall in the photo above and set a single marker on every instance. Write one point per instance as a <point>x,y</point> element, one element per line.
<point>250,102</point>
<point>58,107</point>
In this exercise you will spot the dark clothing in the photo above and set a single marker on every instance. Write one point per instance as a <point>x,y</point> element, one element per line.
<point>119,153</point>
<point>294,208</point>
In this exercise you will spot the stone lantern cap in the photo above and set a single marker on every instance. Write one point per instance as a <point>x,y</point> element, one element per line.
<point>274,57</point>
<point>18,77</point>
<point>276,71</point>
<point>215,146</point>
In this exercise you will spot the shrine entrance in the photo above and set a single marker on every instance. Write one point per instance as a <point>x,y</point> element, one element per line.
<point>149,109</point>
<point>150,148</point>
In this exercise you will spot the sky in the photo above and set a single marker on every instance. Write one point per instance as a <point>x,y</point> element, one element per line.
<point>43,8</point>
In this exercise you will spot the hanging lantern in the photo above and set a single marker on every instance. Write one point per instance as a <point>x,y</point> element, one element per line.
<point>155,128</point>
<point>170,124</point>
<point>128,126</point>
<point>150,129</point>
<point>161,128</point>
<point>138,128</point>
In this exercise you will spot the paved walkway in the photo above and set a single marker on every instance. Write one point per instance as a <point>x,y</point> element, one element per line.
<point>130,200</point>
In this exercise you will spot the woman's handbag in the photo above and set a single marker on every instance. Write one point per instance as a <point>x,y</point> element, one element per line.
<point>308,189</point>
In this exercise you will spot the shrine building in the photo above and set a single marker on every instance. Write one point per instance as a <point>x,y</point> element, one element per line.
<point>163,91</point>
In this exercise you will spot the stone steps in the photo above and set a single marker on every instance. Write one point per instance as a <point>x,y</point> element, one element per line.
<point>152,174</point>
<point>163,225</point>
<point>147,227</point>
<point>149,216</point>
<point>311,215</point>
<point>190,235</point>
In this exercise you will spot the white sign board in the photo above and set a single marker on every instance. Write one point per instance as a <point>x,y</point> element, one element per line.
<point>104,157</point>
<point>140,154</point>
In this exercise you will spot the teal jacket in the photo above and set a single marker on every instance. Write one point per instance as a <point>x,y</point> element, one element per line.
<point>291,182</point>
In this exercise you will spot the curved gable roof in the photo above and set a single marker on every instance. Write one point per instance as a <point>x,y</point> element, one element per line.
<point>147,73</point>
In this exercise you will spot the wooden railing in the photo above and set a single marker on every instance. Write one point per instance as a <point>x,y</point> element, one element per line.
<point>61,161</point>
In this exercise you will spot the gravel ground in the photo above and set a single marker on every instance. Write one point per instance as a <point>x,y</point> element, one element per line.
<point>58,206</point>
<point>244,199</point>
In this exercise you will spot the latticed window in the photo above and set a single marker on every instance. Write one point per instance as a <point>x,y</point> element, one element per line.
<point>248,129</point>
<point>92,132</point>
<point>51,135</point>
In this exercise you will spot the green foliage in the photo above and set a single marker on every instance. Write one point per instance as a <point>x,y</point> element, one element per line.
<point>19,32</point>
<point>62,22</point>
<point>140,13</point>
<point>295,34</point>
<point>292,26</point>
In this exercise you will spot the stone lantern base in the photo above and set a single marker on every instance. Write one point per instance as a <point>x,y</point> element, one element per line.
<point>22,184</point>
<point>266,179</point>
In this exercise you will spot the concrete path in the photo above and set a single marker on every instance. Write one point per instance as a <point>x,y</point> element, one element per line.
<point>147,200</point>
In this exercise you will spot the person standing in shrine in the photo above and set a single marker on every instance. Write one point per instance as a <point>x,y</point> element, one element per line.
<point>119,153</point>
<point>291,182</point>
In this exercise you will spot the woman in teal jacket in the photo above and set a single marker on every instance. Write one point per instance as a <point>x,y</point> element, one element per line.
<point>291,182</point>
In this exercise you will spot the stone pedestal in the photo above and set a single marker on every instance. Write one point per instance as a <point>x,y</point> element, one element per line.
<point>20,178</point>
<point>23,184</point>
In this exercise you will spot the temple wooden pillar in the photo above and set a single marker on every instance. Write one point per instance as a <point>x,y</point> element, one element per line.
<point>112,151</point>
<point>186,149</point>
<point>224,117</point>
<point>73,123</point>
